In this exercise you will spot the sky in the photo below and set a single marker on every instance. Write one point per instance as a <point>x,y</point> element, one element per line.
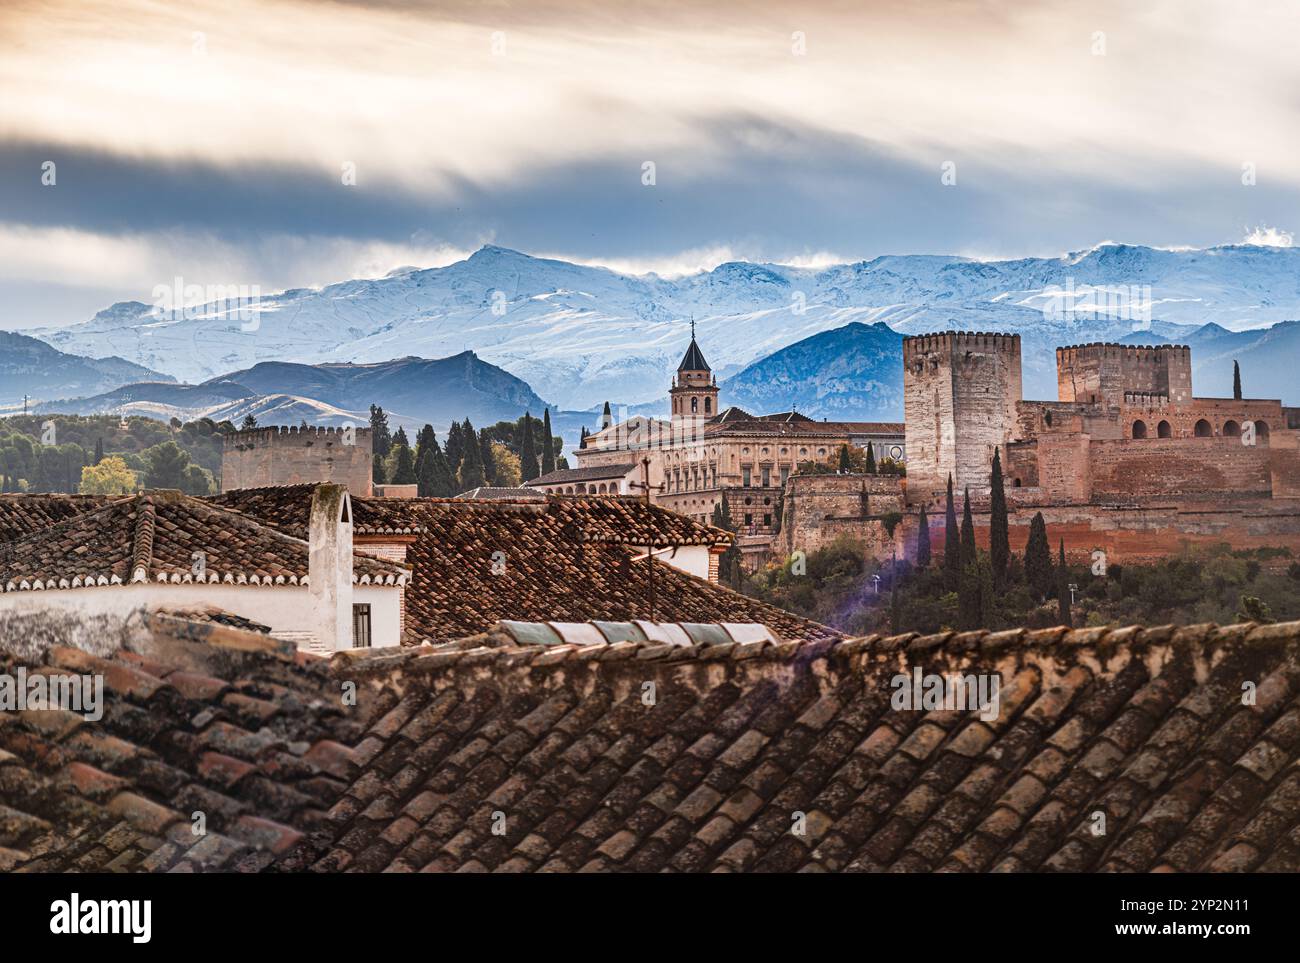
<point>283,143</point>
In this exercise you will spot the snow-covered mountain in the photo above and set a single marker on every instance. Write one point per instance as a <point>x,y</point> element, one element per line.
<point>580,335</point>
<point>31,367</point>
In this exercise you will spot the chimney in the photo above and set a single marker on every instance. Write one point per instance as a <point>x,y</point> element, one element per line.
<point>329,567</point>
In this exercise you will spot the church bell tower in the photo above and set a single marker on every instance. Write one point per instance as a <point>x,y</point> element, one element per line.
<point>694,393</point>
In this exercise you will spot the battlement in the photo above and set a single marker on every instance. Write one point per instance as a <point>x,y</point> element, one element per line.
<point>250,437</point>
<point>947,341</point>
<point>1108,373</point>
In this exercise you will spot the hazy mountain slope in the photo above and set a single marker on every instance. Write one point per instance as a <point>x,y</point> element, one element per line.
<point>31,367</point>
<point>852,373</point>
<point>412,390</point>
<point>580,335</point>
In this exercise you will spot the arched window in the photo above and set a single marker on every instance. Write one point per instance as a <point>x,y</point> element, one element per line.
<point>1016,483</point>
<point>1163,430</point>
<point>708,406</point>
<point>695,405</point>
<point>1203,429</point>
<point>1139,429</point>
<point>1231,429</point>
<point>1261,432</point>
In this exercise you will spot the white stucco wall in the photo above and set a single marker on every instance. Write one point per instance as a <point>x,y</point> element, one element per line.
<point>285,608</point>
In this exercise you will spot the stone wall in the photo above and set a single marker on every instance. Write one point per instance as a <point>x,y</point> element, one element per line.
<point>960,392</point>
<point>294,456</point>
<point>821,508</point>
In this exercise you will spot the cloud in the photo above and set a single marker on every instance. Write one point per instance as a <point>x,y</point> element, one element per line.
<point>139,261</point>
<point>486,94</point>
<point>1263,236</point>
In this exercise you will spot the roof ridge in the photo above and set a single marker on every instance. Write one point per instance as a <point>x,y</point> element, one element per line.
<point>146,527</point>
<point>1063,645</point>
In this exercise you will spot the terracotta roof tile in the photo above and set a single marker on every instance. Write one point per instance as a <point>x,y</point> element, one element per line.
<point>709,776</point>
<point>153,537</point>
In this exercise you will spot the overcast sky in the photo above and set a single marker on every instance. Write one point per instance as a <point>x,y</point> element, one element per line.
<point>208,140</point>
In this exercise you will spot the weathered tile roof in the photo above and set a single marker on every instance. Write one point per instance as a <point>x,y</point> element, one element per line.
<point>153,537</point>
<point>486,755</point>
<point>557,748</point>
<point>23,515</point>
<point>588,473</point>
<point>212,720</point>
<point>564,558</point>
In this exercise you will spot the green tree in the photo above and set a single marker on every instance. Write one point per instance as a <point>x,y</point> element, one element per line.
<point>846,465</point>
<point>871,459</point>
<point>455,447</point>
<point>381,439</point>
<point>471,475</point>
<point>528,467</point>
<point>1236,381</point>
<point>109,476</point>
<point>1252,609</point>
<point>951,545</point>
<point>249,422</point>
<point>1063,589</point>
<point>923,541</point>
<point>548,443</point>
<point>999,530</point>
<point>1038,559</point>
<point>729,572</point>
<point>507,466</point>
<point>166,465</point>
<point>486,457</point>
<point>99,450</point>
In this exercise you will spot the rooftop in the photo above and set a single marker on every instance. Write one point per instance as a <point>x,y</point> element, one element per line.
<point>702,771</point>
<point>154,537</point>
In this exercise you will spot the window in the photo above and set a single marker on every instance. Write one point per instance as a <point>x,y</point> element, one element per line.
<point>708,406</point>
<point>1203,429</point>
<point>361,625</point>
<point>744,476</point>
<point>695,405</point>
<point>767,477</point>
<point>749,519</point>
<point>1163,430</point>
<point>767,520</point>
<point>1231,429</point>
<point>785,474</point>
<point>1139,429</point>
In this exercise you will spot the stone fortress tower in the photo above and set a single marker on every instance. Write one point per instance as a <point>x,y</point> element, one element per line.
<point>960,392</point>
<point>262,457</point>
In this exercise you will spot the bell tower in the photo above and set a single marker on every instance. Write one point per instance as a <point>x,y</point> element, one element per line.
<point>694,393</point>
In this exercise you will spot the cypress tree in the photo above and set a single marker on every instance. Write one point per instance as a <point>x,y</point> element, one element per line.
<point>548,443</point>
<point>846,465</point>
<point>381,440</point>
<point>1038,559</point>
<point>923,541</point>
<point>99,450</point>
<point>528,452</point>
<point>455,449</point>
<point>999,531</point>
<point>1063,589</point>
<point>471,466</point>
<point>951,545</point>
<point>403,465</point>
<point>967,532</point>
<point>871,459</point>
<point>486,457</point>
<point>442,484</point>
<point>1236,381</point>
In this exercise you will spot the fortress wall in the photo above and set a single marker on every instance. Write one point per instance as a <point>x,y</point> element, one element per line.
<point>1159,466</point>
<point>292,456</point>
